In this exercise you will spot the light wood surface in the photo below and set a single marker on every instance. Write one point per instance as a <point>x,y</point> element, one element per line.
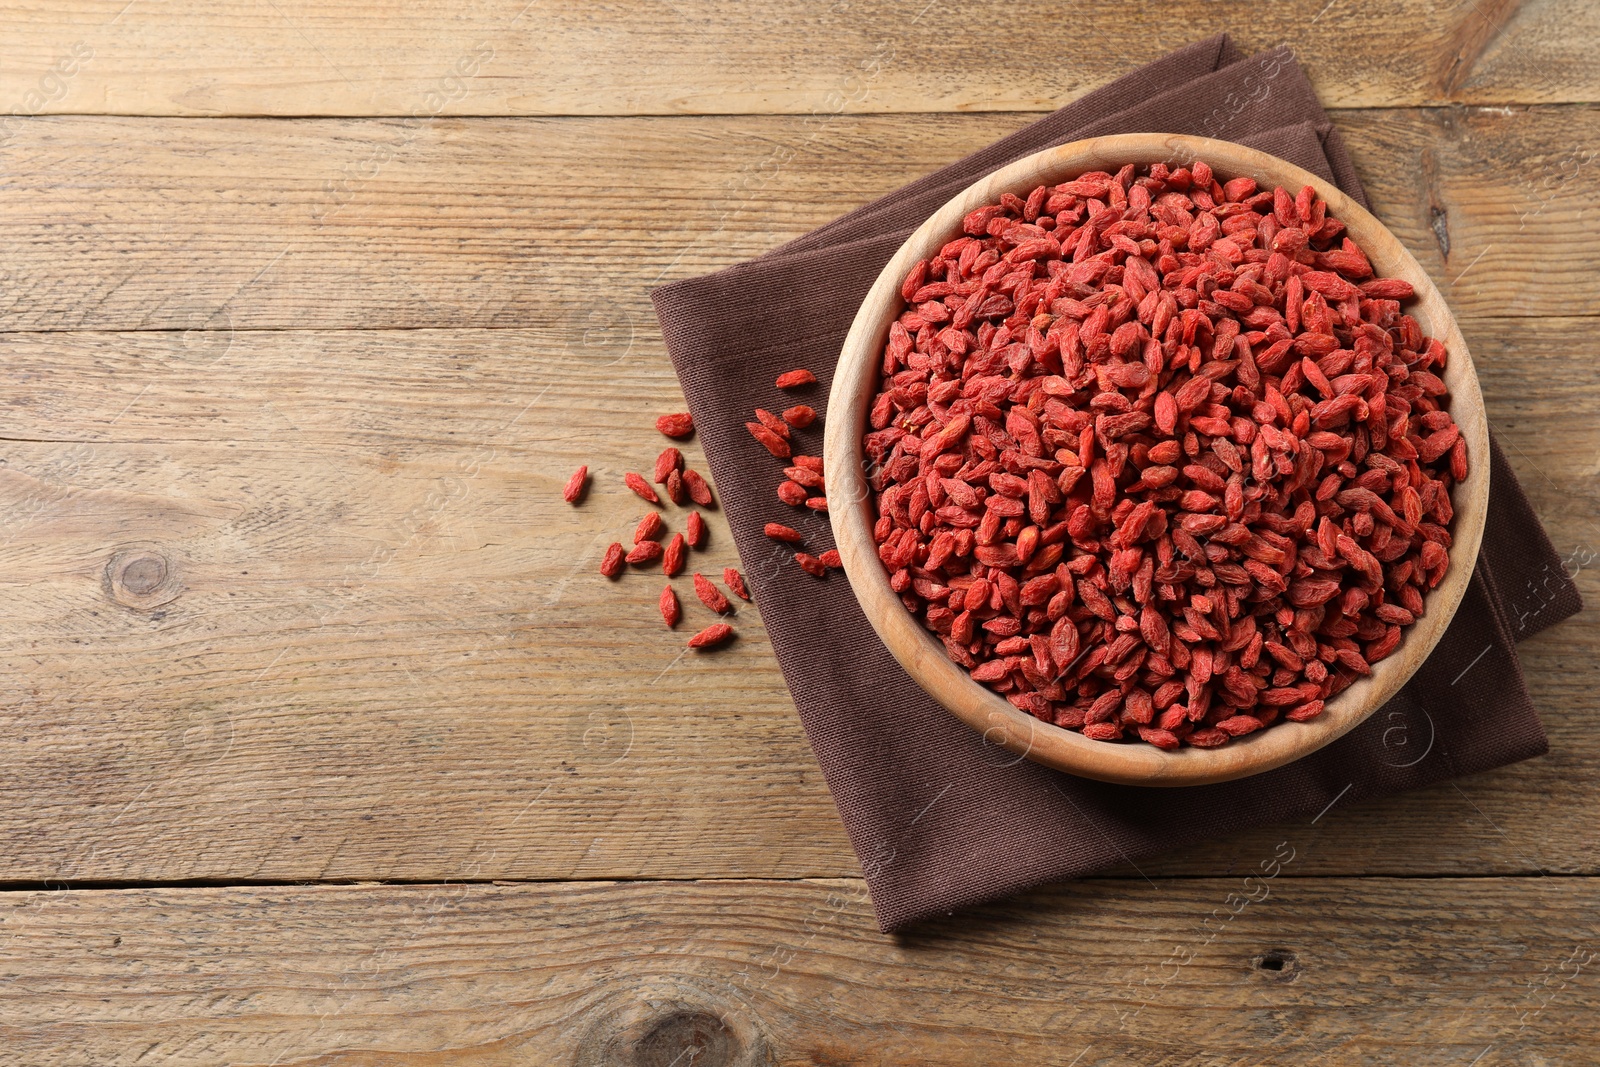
<point>857,381</point>
<point>633,57</point>
<point>246,224</point>
<point>292,595</point>
<point>1235,970</point>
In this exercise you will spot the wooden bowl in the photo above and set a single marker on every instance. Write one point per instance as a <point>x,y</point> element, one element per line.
<point>855,383</point>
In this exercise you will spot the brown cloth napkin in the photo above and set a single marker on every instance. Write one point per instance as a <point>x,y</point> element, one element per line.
<point>940,819</point>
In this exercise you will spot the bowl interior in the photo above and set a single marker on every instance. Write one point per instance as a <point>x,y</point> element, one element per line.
<point>852,513</point>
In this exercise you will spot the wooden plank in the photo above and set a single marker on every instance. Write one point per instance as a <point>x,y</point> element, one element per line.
<point>1257,969</point>
<point>307,604</point>
<point>513,57</point>
<point>372,611</point>
<point>258,224</point>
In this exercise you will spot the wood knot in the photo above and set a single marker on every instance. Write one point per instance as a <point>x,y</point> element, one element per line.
<point>1278,964</point>
<point>141,576</point>
<point>670,1021</point>
<point>687,1036</point>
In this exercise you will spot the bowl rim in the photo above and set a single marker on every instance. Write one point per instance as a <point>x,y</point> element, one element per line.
<point>855,381</point>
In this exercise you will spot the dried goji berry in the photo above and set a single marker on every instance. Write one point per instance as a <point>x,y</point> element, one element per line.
<point>637,483</point>
<point>773,423</point>
<point>792,493</point>
<point>645,552</point>
<point>699,489</point>
<point>649,528</point>
<point>794,379</point>
<point>672,556</point>
<point>710,595</point>
<point>670,460</point>
<point>576,485</point>
<point>711,636</point>
<point>676,491</point>
<point>778,446</point>
<point>676,425</point>
<point>805,476</point>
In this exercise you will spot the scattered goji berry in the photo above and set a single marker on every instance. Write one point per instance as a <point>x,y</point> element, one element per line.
<point>794,379</point>
<point>576,485</point>
<point>710,595</point>
<point>711,636</point>
<point>637,483</point>
<point>676,425</point>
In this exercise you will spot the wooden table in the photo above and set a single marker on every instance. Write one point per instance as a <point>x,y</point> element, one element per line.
<point>325,744</point>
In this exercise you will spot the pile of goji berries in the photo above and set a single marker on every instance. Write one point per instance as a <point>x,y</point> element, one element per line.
<point>775,434</point>
<point>1157,456</point>
<point>681,485</point>
<point>803,474</point>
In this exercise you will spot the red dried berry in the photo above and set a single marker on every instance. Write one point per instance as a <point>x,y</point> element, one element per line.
<point>800,416</point>
<point>1305,712</point>
<point>675,488</point>
<point>794,379</point>
<point>811,564</point>
<point>792,493</point>
<point>818,503</point>
<point>611,562</point>
<point>710,595</point>
<point>831,560</point>
<point>779,532</point>
<point>645,552</point>
<point>711,636</point>
<point>735,582</point>
<point>670,460</point>
<point>1158,737</point>
<point>637,483</point>
<point>699,489</point>
<point>804,476</point>
<point>672,556</point>
<point>773,423</point>
<point>695,528</point>
<point>671,610</point>
<point>576,485</point>
<point>649,528</point>
<point>676,425</point>
<point>769,440</point>
<point>1239,725</point>
<point>813,463</point>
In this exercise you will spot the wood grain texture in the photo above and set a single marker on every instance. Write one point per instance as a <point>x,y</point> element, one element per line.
<point>1284,969</point>
<point>527,57</point>
<point>212,225</point>
<point>292,595</point>
<point>366,638</point>
<point>857,381</point>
